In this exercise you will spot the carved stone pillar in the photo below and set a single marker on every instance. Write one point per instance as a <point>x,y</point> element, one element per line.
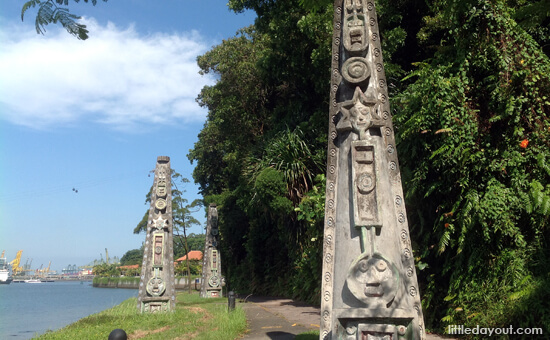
<point>157,285</point>
<point>212,280</point>
<point>369,284</point>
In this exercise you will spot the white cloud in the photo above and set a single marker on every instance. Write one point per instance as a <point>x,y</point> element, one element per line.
<point>116,77</point>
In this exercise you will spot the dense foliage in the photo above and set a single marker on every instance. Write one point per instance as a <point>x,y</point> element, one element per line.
<point>471,98</point>
<point>131,257</point>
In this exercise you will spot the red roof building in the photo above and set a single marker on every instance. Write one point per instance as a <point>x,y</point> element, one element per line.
<point>193,255</point>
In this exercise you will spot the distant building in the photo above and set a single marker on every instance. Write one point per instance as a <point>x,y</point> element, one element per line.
<point>193,255</point>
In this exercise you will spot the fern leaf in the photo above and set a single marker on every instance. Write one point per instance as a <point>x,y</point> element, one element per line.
<point>541,161</point>
<point>444,241</point>
<point>28,5</point>
<point>44,16</point>
<point>545,206</point>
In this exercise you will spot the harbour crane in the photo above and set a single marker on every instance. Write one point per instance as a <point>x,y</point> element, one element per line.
<point>16,269</point>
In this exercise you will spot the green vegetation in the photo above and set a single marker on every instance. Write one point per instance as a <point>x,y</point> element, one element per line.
<point>470,88</point>
<point>194,318</point>
<point>115,281</point>
<point>50,11</point>
<point>311,335</point>
<point>131,257</point>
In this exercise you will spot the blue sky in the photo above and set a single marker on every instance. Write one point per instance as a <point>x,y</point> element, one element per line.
<point>94,115</point>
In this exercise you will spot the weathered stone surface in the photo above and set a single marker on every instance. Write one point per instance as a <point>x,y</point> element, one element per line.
<point>156,287</point>
<point>212,280</point>
<point>369,284</point>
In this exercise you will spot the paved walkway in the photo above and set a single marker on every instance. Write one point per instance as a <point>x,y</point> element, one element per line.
<point>282,319</point>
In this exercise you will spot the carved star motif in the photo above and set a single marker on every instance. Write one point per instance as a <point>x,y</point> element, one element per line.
<point>159,223</point>
<point>359,113</point>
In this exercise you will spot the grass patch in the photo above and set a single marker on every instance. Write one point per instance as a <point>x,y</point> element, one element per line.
<point>194,318</point>
<point>309,335</point>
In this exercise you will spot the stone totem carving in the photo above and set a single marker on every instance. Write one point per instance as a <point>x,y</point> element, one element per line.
<point>157,285</point>
<point>212,280</point>
<point>369,284</point>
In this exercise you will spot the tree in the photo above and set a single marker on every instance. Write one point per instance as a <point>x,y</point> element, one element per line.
<point>49,12</point>
<point>131,257</point>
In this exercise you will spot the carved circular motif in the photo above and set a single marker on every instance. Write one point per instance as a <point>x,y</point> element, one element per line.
<point>383,98</point>
<point>332,169</point>
<point>158,250</point>
<point>401,218</point>
<point>214,281</point>
<point>417,309</point>
<point>327,277</point>
<point>155,286</point>
<point>379,67</point>
<point>328,240</point>
<point>410,271</point>
<point>374,36</point>
<point>328,258</point>
<point>334,88</point>
<point>391,149</point>
<point>214,231</point>
<point>326,315</point>
<point>372,21</point>
<point>398,200</point>
<point>327,296</point>
<point>335,72</point>
<point>337,26</point>
<point>385,115</point>
<point>404,235</point>
<point>382,83</point>
<point>355,70</point>
<point>160,204</point>
<point>376,52</point>
<point>325,335</point>
<point>393,166</point>
<point>407,253</point>
<point>412,291</point>
<point>337,41</point>
<point>365,183</point>
<point>330,222</point>
<point>331,186</point>
<point>334,103</point>
<point>401,329</point>
<point>333,152</point>
<point>331,204</point>
<point>370,6</point>
<point>336,56</point>
<point>338,10</point>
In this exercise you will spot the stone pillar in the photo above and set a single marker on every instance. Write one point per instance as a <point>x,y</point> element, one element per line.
<point>157,285</point>
<point>369,284</point>
<point>212,281</point>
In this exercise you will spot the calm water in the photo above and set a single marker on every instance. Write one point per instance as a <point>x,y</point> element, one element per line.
<point>28,309</point>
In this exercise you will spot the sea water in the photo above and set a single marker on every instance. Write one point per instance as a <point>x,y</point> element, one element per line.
<point>30,309</point>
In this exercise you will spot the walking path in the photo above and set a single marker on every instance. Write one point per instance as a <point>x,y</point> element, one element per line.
<point>282,319</point>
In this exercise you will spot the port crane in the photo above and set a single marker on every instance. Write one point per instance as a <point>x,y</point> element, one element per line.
<point>16,269</point>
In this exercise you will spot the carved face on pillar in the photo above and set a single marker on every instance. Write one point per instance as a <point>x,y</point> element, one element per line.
<point>355,28</point>
<point>373,280</point>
